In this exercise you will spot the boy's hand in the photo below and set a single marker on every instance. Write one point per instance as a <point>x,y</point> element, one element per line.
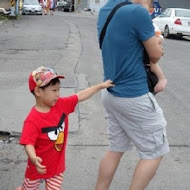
<point>40,168</point>
<point>161,85</point>
<point>107,84</point>
<point>88,92</point>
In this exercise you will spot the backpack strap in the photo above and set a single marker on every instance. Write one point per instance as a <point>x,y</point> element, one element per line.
<point>103,32</point>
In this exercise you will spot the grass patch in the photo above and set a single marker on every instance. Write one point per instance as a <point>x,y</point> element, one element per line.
<point>8,17</point>
<point>2,17</point>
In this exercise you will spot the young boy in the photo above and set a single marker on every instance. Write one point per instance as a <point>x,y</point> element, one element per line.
<point>45,129</point>
<point>155,68</point>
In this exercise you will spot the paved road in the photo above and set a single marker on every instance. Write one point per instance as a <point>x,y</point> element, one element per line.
<point>68,43</point>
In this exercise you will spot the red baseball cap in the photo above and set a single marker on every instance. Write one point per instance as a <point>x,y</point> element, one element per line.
<point>41,77</point>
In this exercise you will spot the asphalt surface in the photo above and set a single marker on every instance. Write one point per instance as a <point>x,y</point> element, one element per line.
<point>68,43</point>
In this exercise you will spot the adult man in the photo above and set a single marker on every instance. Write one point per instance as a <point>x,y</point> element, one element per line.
<point>133,113</point>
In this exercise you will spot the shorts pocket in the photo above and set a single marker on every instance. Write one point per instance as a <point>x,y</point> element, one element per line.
<point>158,141</point>
<point>148,143</point>
<point>145,105</point>
<point>153,100</point>
<point>160,137</point>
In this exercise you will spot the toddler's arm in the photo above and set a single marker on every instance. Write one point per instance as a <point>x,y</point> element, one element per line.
<point>162,81</point>
<point>30,150</point>
<point>87,93</point>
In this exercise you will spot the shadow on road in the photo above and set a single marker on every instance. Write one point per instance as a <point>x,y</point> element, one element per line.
<point>184,38</point>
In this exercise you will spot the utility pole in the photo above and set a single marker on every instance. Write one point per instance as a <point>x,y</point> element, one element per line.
<point>14,7</point>
<point>17,7</point>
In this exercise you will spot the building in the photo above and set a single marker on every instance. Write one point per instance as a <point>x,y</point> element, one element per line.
<point>97,4</point>
<point>90,4</point>
<point>175,4</point>
<point>6,4</point>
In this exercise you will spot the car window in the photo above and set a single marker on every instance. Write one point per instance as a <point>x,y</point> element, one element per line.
<point>165,13</point>
<point>182,13</point>
<point>168,13</point>
<point>31,2</point>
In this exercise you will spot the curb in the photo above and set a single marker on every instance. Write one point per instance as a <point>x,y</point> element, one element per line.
<point>186,37</point>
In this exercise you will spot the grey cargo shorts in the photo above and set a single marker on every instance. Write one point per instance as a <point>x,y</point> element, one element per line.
<point>136,121</point>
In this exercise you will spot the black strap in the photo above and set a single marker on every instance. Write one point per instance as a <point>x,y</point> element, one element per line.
<point>103,32</point>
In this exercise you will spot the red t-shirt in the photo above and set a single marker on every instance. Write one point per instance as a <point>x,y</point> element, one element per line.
<point>48,133</point>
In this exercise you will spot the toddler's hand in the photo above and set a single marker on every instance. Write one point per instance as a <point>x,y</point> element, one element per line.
<point>161,85</point>
<point>40,168</point>
<point>160,40</point>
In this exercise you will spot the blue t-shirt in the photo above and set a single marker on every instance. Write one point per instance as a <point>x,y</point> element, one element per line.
<point>122,48</point>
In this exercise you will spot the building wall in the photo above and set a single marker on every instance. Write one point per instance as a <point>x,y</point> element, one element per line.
<point>5,4</point>
<point>97,4</point>
<point>175,4</point>
<point>83,4</point>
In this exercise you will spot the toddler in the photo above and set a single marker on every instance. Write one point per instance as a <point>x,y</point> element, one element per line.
<point>155,68</point>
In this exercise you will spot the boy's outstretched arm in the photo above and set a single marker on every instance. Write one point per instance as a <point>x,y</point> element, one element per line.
<point>88,92</point>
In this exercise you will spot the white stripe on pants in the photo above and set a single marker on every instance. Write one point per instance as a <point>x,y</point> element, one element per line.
<point>53,183</point>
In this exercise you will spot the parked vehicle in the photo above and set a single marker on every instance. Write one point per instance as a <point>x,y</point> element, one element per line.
<point>31,7</point>
<point>174,21</point>
<point>64,6</point>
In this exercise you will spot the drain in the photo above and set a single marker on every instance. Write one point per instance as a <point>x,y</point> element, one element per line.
<point>4,136</point>
<point>9,137</point>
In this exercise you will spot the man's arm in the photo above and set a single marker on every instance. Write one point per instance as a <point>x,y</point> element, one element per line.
<point>87,93</point>
<point>154,49</point>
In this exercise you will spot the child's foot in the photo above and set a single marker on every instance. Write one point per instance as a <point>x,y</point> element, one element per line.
<point>18,188</point>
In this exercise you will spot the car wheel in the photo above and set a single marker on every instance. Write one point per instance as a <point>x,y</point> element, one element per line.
<point>180,36</point>
<point>166,32</point>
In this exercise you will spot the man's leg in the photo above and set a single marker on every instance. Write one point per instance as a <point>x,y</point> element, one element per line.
<point>144,172</point>
<point>108,166</point>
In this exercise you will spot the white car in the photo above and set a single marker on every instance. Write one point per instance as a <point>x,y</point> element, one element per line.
<point>31,7</point>
<point>174,21</point>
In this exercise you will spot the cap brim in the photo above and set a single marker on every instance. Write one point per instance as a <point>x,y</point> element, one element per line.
<point>60,76</point>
